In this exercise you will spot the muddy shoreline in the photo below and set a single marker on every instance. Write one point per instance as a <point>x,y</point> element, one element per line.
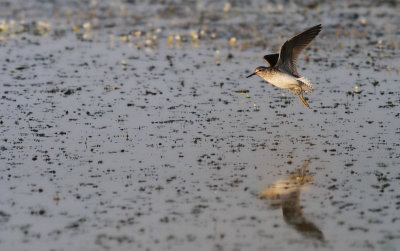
<point>130,125</point>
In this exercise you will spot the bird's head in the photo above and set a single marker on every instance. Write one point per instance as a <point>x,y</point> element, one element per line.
<point>258,70</point>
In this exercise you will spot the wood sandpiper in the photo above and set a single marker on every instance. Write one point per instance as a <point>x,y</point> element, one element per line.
<point>283,70</point>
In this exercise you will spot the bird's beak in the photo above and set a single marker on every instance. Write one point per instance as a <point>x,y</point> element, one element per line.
<point>251,75</point>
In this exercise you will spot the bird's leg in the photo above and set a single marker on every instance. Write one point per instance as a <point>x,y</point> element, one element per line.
<point>301,97</point>
<point>304,170</point>
<point>301,92</point>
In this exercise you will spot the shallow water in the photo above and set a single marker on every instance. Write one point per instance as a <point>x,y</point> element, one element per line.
<point>131,126</point>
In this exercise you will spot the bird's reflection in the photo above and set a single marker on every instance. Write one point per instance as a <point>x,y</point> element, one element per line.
<point>285,193</point>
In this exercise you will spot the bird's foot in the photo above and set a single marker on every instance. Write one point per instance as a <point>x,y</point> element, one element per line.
<point>302,98</point>
<point>304,102</point>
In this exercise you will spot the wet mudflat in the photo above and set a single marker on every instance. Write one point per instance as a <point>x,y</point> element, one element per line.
<point>131,126</point>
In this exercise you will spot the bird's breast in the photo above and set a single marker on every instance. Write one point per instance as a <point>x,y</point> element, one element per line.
<point>280,79</point>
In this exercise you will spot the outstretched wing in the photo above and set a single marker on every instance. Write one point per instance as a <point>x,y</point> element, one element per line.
<point>292,48</point>
<point>272,59</point>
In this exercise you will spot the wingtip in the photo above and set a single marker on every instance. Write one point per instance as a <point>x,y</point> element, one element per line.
<point>316,29</point>
<point>318,26</point>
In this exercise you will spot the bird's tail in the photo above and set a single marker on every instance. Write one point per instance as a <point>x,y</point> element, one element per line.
<point>305,84</point>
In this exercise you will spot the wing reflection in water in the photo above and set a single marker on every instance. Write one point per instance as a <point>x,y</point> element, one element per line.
<point>285,193</point>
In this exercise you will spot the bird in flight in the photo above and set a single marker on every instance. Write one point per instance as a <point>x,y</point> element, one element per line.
<point>283,70</point>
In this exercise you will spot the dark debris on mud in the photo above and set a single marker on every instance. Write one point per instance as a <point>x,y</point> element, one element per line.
<point>130,125</point>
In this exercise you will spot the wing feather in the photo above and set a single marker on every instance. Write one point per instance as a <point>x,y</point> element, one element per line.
<point>292,48</point>
<point>272,59</point>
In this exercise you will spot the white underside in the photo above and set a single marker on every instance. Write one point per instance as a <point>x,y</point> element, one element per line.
<point>286,81</point>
